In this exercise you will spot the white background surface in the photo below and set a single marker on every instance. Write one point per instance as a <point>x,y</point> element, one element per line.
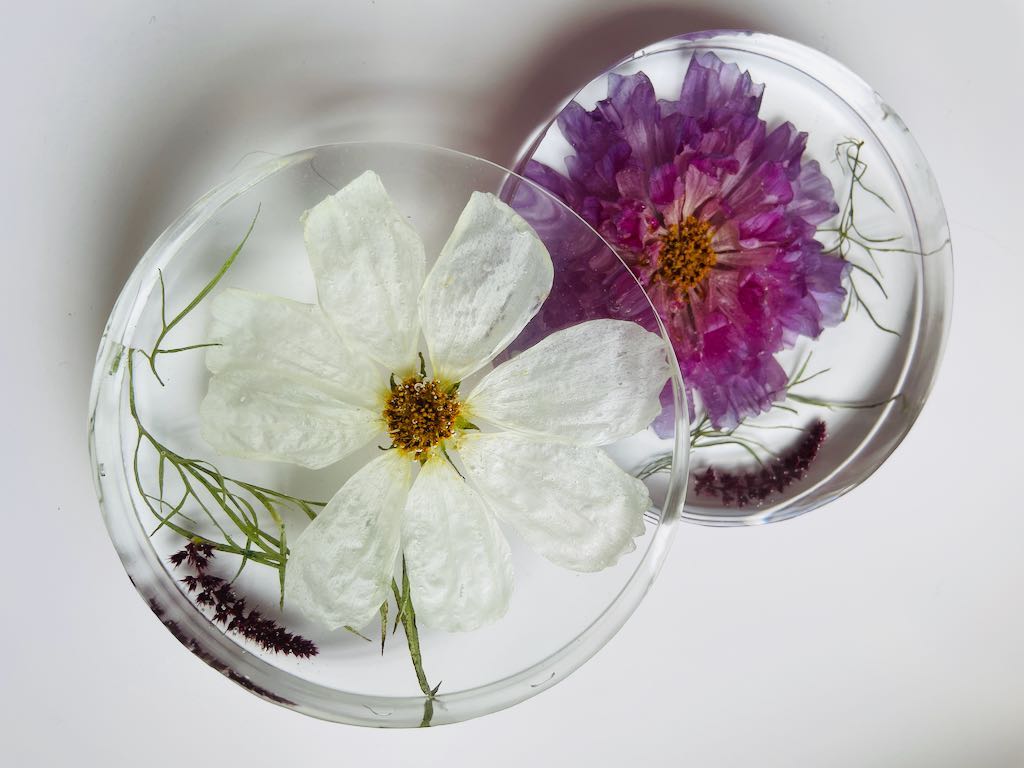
<point>885,630</point>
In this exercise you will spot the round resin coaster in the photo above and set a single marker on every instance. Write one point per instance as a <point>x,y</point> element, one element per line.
<point>791,236</point>
<point>351,458</point>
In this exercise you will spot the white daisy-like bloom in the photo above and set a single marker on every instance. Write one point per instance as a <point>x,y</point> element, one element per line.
<point>309,384</point>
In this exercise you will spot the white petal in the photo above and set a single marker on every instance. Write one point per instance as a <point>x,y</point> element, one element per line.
<point>287,337</point>
<point>570,503</point>
<point>458,559</point>
<point>368,263</point>
<point>590,384</point>
<point>340,567</point>
<point>262,414</point>
<point>489,281</point>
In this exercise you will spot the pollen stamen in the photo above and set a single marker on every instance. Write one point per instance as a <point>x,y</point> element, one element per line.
<point>420,414</point>
<point>685,257</point>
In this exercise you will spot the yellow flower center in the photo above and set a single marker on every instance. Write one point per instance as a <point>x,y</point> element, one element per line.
<point>419,414</point>
<point>686,256</point>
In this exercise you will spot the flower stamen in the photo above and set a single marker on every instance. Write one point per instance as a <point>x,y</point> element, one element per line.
<point>420,414</point>
<point>685,256</point>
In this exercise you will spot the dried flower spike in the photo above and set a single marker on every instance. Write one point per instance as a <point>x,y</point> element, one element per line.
<point>752,487</point>
<point>229,609</point>
<point>196,553</point>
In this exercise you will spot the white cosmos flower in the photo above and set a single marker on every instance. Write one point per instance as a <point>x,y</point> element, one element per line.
<point>309,384</point>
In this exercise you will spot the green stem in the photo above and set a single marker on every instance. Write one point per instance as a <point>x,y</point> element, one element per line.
<point>168,327</point>
<point>428,712</point>
<point>408,617</point>
<point>198,476</point>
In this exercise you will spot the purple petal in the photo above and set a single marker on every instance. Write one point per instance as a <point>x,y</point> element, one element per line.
<point>814,200</point>
<point>662,184</point>
<point>734,382</point>
<point>554,182</point>
<point>765,188</point>
<point>712,86</point>
<point>601,152</point>
<point>632,107</point>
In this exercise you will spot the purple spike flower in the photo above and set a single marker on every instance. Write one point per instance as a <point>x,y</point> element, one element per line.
<point>716,217</point>
<point>230,610</point>
<point>755,487</point>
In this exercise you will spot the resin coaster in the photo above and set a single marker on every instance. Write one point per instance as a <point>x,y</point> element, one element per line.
<point>255,435</point>
<point>789,232</point>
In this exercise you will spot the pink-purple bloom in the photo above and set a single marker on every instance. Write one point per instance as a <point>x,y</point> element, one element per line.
<point>716,217</point>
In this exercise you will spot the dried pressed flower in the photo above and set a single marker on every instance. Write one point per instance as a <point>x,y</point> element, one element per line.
<point>308,384</point>
<point>196,553</point>
<point>752,487</point>
<point>715,215</point>
<point>229,609</point>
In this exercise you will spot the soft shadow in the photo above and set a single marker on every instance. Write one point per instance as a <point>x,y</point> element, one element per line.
<point>257,101</point>
<point>243,112</point>
<point>275,96</point>
<point>569,58</point>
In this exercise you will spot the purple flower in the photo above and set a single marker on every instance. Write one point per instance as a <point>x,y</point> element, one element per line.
<point>716,217</point>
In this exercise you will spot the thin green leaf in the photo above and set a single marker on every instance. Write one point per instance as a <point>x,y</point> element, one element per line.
<point>412,636</point>
<point>168,327</point>
<point>163,299</point>
<point>189,348</point>
<point>357,633</point>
